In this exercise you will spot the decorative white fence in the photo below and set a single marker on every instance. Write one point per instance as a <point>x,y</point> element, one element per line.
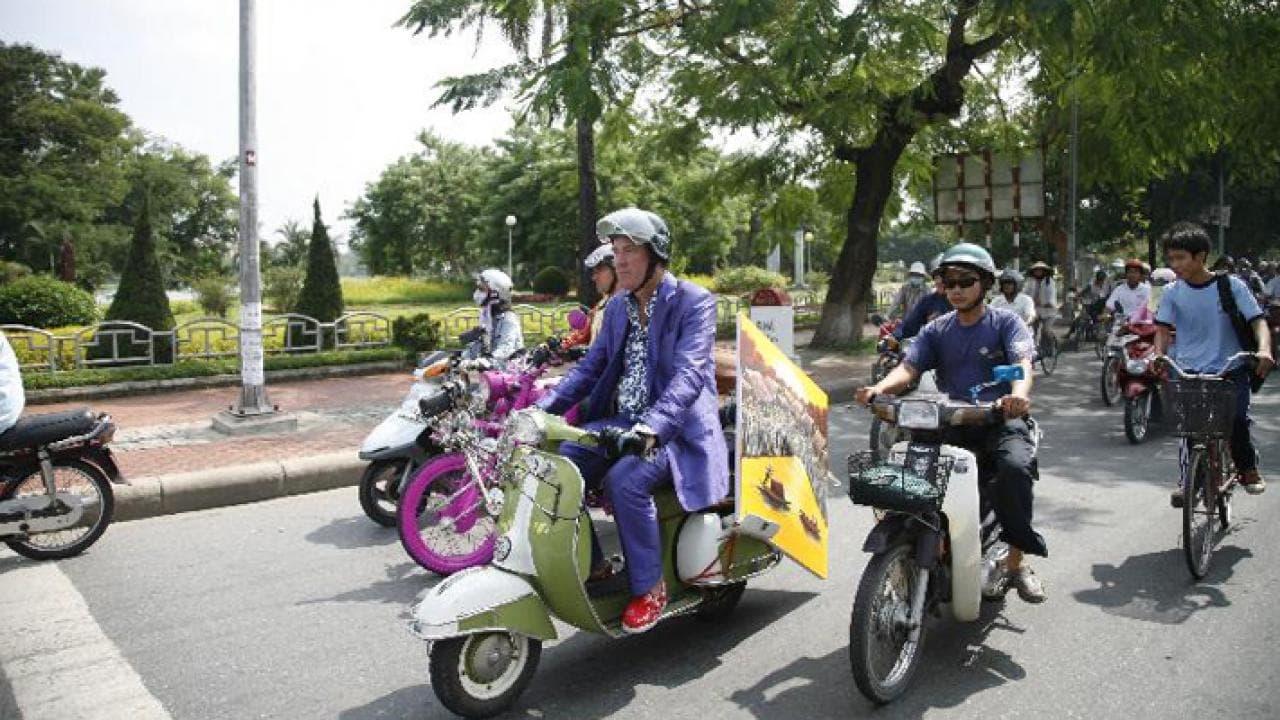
<point>118,342</point>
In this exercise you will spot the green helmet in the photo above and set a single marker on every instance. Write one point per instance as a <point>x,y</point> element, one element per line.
<point>970,256</point>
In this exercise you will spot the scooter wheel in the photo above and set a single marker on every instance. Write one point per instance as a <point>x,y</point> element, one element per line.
<point>481,675</point>
<point>883,657</point>
<point>1137,418</point>
<point>720,602</point>
<point>380,490</point>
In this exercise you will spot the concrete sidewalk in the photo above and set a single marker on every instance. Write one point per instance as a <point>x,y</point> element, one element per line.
<point>176,462</point>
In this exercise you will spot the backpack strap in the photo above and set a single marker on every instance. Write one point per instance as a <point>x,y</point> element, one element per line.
<point>1244,334</point>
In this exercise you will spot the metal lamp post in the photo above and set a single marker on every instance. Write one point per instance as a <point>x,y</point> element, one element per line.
<point>511,226</point>
<point>807,258</point>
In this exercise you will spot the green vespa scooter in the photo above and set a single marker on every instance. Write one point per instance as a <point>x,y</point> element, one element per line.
<point>486,624</point>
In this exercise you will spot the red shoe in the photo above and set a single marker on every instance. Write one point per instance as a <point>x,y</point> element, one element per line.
<point>643,612</point>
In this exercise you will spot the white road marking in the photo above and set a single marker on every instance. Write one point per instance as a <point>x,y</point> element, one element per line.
<point>56,658</point>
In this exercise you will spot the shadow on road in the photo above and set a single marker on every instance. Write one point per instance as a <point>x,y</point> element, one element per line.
<point>1156,587</point>
<point>587,676</point>
<point>353,533</point>
<point>403,585</point>
<point>956,665</point>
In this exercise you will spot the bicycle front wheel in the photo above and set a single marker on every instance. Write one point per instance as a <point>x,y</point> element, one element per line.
<point>1199,512</point>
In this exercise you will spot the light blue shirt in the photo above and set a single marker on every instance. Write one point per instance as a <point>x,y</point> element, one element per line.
<point>12,399</point>
<point>1206,339</point>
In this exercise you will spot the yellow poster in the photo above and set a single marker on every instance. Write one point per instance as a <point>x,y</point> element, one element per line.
<point>783,462</point>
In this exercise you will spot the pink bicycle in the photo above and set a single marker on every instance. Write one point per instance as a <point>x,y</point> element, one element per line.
<point>443,518</point>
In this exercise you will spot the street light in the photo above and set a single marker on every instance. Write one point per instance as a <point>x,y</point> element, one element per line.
<point>808,259</point>
<point>511,226</point>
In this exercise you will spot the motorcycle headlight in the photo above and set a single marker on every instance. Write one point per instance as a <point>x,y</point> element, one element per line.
<point>525,427</point>
<point>919,415</point>
<point>1135,366</point>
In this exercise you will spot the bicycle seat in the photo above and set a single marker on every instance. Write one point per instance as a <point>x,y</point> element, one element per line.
<point>37,430</point>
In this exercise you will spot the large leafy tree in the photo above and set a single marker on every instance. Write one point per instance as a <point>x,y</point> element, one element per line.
<point>597,56</point>
<point>857,86</point>
<point>62,152</point>
<point>420,213</point>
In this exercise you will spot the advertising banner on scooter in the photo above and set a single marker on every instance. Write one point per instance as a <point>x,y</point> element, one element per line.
<point>782,452</point>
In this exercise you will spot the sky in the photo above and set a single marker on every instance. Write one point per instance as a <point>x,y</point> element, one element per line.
<point>341,92</point>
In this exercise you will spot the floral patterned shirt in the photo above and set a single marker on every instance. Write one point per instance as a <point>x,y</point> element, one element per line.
<point>633,391</point>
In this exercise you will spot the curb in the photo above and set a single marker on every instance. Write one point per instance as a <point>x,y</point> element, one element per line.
<point>205,489</point>
<point>147,387</point>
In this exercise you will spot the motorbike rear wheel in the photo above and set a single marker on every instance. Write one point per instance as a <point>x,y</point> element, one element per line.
<point>1137,418</point>
<point>482,675</point>
<point>720,602</point>
<point>71,476</point>
<point>380,490</point>
<point>883,657</point>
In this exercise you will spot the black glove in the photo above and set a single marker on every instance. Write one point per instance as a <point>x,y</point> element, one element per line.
<point>471,335</point>
<point>618,442</point>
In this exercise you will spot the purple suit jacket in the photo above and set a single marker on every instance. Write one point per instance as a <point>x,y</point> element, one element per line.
<point>682,386</point>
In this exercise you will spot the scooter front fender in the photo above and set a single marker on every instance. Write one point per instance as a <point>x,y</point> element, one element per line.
<point>481,599</point>
<point>964,529</point>
<point>882,535</point>
<point>1135,388</point>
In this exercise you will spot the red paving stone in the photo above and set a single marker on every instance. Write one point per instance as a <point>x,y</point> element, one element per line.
<point>187,406</point>
<point>238,451</point>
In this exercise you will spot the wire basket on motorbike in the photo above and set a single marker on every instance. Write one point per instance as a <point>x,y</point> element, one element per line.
<point>910,483</point>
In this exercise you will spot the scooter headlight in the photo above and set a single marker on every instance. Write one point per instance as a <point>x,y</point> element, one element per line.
<point>919,415</point>
<point>525,428</point>
<point>480,390</point>
<point>1136,366</point>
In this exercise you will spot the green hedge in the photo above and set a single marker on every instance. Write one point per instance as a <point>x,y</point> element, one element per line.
<point>201,368</point>
<point>41,301</point>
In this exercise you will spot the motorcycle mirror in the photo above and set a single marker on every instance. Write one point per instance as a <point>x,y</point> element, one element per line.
<point>577,319</point>
<point>1007,373</point>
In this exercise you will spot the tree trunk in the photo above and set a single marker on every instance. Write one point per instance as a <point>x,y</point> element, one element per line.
<point>938,97</point>
<point>845,308</point>
<point>588,207</point>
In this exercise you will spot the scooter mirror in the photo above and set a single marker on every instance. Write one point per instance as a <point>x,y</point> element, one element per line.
<point>1007,373</point>
<point>577,319</point>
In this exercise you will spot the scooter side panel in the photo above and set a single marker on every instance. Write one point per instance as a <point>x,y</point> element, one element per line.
<point>965,529</point>
<point>560,542</point>
<point>481,599</point>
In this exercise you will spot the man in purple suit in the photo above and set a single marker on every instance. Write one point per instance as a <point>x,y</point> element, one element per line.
<point>650,374</point>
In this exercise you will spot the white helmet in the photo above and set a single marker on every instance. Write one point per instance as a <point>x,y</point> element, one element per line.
<point>1163,276</point>
<point>917,268</point>
<point>500,286</point>
<point>642,226</point>
<point>602,254</point>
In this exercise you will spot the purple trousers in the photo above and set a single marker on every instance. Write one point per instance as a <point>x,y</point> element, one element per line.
<point>629,483</point>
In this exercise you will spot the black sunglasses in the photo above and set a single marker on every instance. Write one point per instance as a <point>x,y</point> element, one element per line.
<point>964,282</point>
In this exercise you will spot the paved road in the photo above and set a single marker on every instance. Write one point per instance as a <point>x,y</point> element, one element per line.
<point>296,608</point>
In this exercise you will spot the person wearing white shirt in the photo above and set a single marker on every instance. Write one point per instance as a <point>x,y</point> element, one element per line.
<point>12,399</point>
<point>1011,299</point>
<point>1134,292</point>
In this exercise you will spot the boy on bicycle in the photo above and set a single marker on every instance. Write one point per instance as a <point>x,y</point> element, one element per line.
<point>1207,338</point>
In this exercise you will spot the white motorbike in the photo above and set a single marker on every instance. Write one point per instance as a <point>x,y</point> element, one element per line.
<point>937,540</point>
<point>401,443</point>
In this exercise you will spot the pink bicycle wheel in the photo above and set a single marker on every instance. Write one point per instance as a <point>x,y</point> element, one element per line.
<point>442,521</point>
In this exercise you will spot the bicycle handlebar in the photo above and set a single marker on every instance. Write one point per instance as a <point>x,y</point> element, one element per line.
<point>1202,376</point>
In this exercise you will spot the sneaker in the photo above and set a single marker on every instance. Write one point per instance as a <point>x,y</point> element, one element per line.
<point>1175,498</point>
<point>997,582</point>
<point>643,612</point>
<point>1253,483</point>
<point>1028,585</point>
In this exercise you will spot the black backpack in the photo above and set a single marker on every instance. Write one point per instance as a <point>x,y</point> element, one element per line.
<point>1244,333</point>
